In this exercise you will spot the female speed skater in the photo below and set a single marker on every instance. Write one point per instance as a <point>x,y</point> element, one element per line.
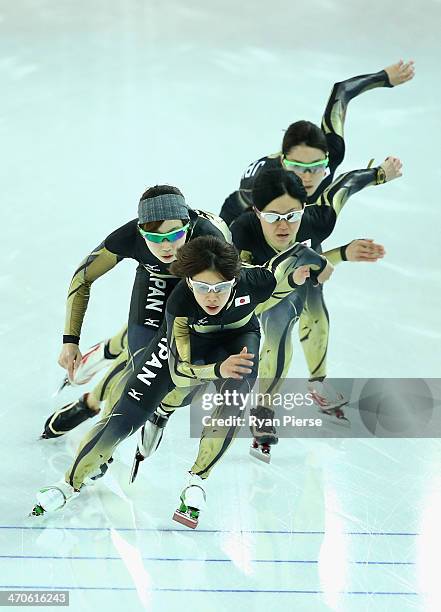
<point>164,224</point>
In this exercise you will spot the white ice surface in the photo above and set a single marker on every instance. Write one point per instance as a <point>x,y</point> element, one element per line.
<point>100,100</point>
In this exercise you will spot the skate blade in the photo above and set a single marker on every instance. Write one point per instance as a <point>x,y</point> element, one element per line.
<point>45,436</point>
<point>65,383</point>
<point>135,466</point>
<point>335,406</point>
<point>257,454</point>
<point>333,420</point>
<point>184,519</point>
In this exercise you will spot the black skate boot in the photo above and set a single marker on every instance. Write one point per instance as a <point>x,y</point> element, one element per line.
<point>263,431</point>
<point>67,418</point>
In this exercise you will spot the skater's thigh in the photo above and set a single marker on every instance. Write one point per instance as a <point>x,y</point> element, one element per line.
<point>279,317</point>
<point>315,302</point>
<point>248,339</point>
<point>150,381</point>
<point>182,396</point>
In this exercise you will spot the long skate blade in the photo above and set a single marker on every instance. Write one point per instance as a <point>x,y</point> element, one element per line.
<point>64,383</point>
<point>44,436</point>
<point>184,519</point>
<point>258,454</point>
<point>333,420</point>
<point>346,423</point>
<point>135,467</point>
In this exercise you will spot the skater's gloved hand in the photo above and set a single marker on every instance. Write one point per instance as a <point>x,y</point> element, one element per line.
<point>364,249</point>
<point>401,72</point>
<point>326,273</point>
<point>392,167</point>
<point>236,365</point>
<point>300,275</point>
<point>70,358</point>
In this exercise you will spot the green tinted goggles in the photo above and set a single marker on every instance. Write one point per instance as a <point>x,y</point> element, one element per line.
<point>170,236</point>
<point>300,167</point>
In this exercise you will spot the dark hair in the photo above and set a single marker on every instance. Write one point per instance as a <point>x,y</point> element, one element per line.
<point>158,190</point>
<point>152,226</point>
<point>275,182</point>
<point>207,253</point>
<point>304,132</point>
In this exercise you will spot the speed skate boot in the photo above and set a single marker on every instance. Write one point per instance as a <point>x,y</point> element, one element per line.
<point>97,358</point>
<point>67,418</point>
<point>263,431</point>
<point>329,401</point>
<point>56,496</point>
<point>193,500</point>
<point>149,438</point>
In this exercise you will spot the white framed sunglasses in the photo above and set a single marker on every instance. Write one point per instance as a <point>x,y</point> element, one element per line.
<point>205,288</point>
<point>291,217</point>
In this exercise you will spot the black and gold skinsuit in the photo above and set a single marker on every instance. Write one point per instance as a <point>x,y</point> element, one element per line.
<point>318,222</point>
<point>198,343</point>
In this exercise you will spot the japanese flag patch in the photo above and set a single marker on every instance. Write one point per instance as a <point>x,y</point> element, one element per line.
<point>241,301</point>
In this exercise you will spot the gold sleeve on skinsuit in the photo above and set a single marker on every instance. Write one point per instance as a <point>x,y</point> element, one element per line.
<point>92,267</point>
<point>182,371</point>
<point>345,186</point>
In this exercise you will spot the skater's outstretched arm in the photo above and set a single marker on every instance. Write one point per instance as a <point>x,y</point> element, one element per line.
<point>346,185</point>
<point>342,93</point>
<point>360,250</point>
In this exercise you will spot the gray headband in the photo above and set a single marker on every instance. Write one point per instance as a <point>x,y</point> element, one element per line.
<point>162,208</point>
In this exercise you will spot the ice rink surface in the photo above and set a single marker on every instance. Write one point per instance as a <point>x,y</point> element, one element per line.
<point>100,100</point>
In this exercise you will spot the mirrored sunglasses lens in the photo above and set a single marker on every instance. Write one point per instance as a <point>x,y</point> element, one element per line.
<point>200,287</point>
<point>222,287</point>
<point>270,217</point>
<point>295,216</point>
<point>176,235</point>
<point>171,236</point>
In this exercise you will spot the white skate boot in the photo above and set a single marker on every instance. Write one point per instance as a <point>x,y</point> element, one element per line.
<point>54,497</point>
<point>329,400</point>
<point>92,362</point>
<point>193,500</point>
<point>149,438</point>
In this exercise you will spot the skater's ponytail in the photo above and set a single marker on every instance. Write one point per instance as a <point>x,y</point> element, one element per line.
<point>207,253</point>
